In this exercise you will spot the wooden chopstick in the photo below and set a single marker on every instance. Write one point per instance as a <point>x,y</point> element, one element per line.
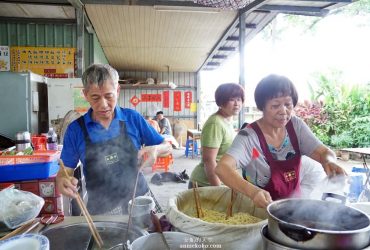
<point>229,211</point>
<point>198,205</point>
<point>196,201</point>
<point>85,212</point>
<point>20,229</point>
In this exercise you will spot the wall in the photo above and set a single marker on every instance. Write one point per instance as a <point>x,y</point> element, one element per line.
<point>185,81</point>
<point>38,34</point>
<point>50,35</point>
<point>99,56</point>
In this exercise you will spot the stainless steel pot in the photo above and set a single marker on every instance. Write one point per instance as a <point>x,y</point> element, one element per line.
<point>317,224</point>
<point>174,241</point>
<point>78,236</point>
<point>269,244</point>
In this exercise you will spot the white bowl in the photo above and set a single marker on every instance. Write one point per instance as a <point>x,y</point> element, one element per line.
<point>25,242</point>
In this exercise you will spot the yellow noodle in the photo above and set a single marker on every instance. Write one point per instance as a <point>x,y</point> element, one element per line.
<point>213,216</point>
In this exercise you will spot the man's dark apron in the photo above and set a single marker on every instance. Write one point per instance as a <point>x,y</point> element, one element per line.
<point>284,181</point>
<point>111,169</point>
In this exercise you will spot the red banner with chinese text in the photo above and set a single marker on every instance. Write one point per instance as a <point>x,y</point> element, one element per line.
<point>188,96</point>
<point>166,99</point>
<point>151,98</point>
<point>177,101</point>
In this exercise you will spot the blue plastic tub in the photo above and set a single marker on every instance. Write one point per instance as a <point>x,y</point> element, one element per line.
<point>30,171</point>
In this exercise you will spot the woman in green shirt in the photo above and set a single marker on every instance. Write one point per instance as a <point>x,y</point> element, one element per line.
<point>218,134</point>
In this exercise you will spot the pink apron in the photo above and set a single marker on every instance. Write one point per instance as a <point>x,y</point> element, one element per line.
<point>284,181</point>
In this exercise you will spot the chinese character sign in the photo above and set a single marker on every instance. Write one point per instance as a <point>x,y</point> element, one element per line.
<point>49,62</point>
<point>151,97</point>
<point>166,99</point>
<point>177,101</point>
<point>4,58</point>
<point>188,95</point>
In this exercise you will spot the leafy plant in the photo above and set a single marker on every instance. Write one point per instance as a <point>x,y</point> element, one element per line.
<point>342,140</point>
<point>339,115</point>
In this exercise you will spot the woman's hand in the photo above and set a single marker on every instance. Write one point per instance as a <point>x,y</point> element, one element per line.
<point>261,198</point>
<point>333,169</point>
<point>327,158</point>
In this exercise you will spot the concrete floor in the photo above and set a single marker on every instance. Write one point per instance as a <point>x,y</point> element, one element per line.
<point>169,189</point>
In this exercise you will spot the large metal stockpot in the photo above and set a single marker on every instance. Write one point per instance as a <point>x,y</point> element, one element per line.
<point>78,236</point>
<point>317,224</point>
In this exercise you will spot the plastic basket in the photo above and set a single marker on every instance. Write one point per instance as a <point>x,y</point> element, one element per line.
<point>37,157</point>
<point>32,171</point>
<point>163,163</point>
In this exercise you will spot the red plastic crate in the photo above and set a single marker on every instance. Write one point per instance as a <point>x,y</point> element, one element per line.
<point>163,163</point>
<point>36,157</point>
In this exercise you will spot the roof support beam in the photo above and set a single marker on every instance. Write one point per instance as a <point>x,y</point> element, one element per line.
<point>227,49</point>
<point>249,25</point>
<point>295,9</point>
<point>232,38</point>
<point>242,28</point>
<point>40,2</point>
<point>144,3</point>
<point>213,64</point>
<point>37,20</point>
<point>328,1</point>
<point>247,10</point>
<point>219,57</point>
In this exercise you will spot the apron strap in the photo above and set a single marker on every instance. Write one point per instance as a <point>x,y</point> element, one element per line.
<point>81,122</point>
<point>293,136</point>
<point>262,141</point>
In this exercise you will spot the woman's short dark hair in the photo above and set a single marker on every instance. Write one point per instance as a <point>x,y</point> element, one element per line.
<point>226,91</point>
<point>274,86</point>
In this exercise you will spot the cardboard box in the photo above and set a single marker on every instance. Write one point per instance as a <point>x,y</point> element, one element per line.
<point>53,205</point>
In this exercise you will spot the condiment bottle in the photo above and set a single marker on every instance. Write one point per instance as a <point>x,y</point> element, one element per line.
<point>22,141</point>
<point>52,140</point>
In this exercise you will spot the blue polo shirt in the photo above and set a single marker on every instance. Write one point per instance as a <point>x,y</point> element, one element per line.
<point>137,128</point>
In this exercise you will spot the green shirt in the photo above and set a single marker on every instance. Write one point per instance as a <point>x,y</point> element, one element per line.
<point>216,133</point>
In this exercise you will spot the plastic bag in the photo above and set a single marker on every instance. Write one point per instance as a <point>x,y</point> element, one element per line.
<point>18,207</point>
<point>217,198</point>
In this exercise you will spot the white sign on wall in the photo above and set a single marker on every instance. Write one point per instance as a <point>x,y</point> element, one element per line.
<point>4,58</point>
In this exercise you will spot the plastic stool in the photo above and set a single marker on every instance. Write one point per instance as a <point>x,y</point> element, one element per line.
<point>163,163</point>
<point>191,147</point>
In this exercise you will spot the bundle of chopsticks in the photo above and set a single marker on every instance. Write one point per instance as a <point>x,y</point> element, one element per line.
<point>86,213</point>
<point>198,206</point>
<point>22,229</point>
<point>229,210</point>
<point>29,226</point>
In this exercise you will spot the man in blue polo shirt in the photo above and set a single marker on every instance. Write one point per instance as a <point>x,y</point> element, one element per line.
<point>107,140</point>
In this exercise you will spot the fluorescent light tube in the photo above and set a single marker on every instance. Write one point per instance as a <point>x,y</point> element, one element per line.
<point>186,9</point>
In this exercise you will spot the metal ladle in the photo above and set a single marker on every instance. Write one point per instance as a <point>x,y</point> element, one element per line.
<point>158,228</point>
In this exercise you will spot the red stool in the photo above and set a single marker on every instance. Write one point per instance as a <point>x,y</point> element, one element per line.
<point>163,163</point>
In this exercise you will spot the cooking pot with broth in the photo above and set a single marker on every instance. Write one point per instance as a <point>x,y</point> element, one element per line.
<point>78,236</point>
<point>317,224</point>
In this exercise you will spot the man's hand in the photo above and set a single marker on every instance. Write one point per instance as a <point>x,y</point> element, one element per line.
<point>67,185</point>
<point>148,155</point>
